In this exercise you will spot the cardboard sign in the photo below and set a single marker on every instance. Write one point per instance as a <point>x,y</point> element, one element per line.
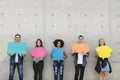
<point>104,51</point>
<point>16,48</point>
<point>57,53</point>
<point>81,48</point>
<point>38,52</point>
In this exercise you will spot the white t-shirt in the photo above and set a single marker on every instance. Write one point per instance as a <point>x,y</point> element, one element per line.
<point>80,59</point>
<point>16,58</point>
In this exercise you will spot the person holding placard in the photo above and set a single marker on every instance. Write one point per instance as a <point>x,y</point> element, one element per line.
<point>80,50</point>
<point>16,51</point>
<point>38,54</point>
<point>58,55</point>
<point>103,66</point>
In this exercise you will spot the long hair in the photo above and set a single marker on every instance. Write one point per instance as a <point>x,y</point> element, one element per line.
<point>40,42</point>
<point>100,40</point>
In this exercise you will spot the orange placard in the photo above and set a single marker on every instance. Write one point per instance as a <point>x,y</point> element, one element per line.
<point>82,48</point>
<point>75,48</point>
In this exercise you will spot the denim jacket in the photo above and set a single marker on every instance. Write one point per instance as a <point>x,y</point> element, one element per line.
<point>20,59</point>
<point>84,58</point>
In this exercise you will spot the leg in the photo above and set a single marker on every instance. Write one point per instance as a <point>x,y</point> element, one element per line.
<point>61,70</point>
<point>77,67</point>
<point>105,75</point>
<point>35,68</point>
<point>55,66</point>
<point>20,70</point>
<point>100,76</point>
<point>12,70</point>
<point>82,72</point>
<point>41,64</point>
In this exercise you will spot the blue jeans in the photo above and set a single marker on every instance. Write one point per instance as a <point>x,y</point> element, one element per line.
<point>58,69</point>
<point>12,70</point>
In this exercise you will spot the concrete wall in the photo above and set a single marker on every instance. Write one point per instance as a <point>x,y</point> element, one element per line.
<point>65,19</point>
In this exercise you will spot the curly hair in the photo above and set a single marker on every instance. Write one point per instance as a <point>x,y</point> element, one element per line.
<point>57,40</point>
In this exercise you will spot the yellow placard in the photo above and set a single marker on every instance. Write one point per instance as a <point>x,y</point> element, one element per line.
<point>104,51</point>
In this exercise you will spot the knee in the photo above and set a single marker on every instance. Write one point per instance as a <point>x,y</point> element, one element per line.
<point>76,72</point>
<point>105,73</point>
<point>21,73</point>
<point>11,72</point>
<point>101,74</point>
<point>55,70</point>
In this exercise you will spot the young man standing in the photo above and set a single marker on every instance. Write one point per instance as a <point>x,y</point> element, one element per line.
<point>80,51</point>
<point>16,60</point>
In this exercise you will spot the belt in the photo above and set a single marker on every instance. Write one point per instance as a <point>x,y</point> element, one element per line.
<point>58,60</point>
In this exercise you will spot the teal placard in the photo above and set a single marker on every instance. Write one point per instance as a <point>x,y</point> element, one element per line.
<point>16,48</point>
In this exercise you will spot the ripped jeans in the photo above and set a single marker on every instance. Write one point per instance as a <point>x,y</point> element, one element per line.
<point>58,67</point>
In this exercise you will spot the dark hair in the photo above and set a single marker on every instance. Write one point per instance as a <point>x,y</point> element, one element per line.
<point>17,35</point>
<point>99,42</point>
<point>81,36</point>
<point>57,40</point>
<point>40,42</point>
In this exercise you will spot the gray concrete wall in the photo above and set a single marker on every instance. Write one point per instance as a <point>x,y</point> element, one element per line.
<point>65,19</point>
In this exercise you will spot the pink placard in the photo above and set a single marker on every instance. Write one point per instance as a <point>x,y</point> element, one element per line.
<point>39,52</point>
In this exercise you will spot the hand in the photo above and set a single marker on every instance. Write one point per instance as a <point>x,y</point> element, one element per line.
<point>65,57</point>
<point>86,54</point>
<point>39,58</point>
<point>11,54</point>
<point>23,55</point>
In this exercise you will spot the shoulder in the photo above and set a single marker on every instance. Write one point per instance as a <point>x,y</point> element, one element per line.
<point>96,48</point>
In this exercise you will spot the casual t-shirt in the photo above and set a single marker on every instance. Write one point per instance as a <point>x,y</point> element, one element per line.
<point>80,59</point>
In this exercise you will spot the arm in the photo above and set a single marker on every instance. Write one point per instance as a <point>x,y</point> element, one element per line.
<point>50,55</point>
<point>65,54</point>
<point>96,54</point>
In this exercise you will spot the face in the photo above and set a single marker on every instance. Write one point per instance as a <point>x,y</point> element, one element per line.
<point>80,39</point>
<point>102,42</point>
<point>17,38</point>
<point>38,43</point>
<point>59,44</point>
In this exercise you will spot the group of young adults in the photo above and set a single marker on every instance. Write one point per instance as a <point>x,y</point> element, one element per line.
<point>58,56</point>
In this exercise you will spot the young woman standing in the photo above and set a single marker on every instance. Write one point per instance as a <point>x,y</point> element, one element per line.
<point>103,66</point>
<point>58,55</point>
<point>38,54</point>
